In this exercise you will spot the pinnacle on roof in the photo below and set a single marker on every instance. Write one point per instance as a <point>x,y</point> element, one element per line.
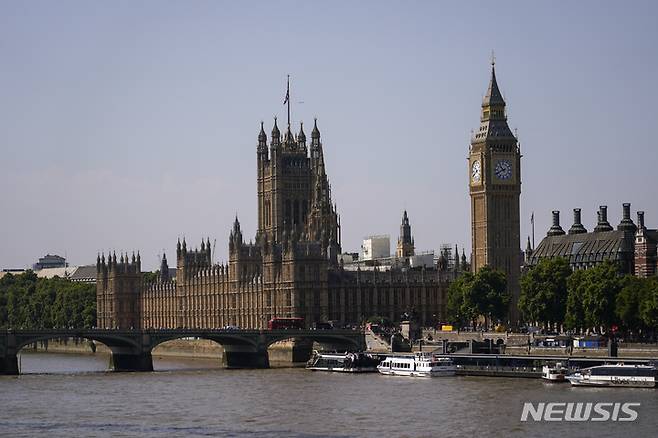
<point>493,96</point>
<point>405,218</point>
<point>301,137</point>
<point>316,131</point>
<point>275,130</point>
<point>262,137</point>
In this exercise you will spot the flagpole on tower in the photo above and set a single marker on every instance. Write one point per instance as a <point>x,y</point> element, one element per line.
<point>532,221</point>
<point>287,100</point>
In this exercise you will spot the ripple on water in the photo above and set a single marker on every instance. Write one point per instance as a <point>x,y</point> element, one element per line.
<point>81,399</point>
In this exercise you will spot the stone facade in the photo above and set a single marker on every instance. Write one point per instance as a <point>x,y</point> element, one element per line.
<point>495,187</point>
<point>290,269</point>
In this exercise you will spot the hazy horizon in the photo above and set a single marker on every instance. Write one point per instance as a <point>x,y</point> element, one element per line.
<point>129,124</point>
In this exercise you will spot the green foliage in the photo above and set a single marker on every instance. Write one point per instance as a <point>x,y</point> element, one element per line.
<point>603,283</point>
<point>634,292</point>
<point>151,277</point>
<point>574,317</point>
<point>30,302</point>
<point>458,313</point>
<point>544,292</point>
<point>482,294</point>
<point>649,305</point>
<point>593,297</point>
<point>596,298</point>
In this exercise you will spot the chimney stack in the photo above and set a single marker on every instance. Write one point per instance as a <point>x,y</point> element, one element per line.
<point>603,224</point>
<point>626,223</point>
<point>640,220</point>
<point>556,229</point>
<point>577,227</point>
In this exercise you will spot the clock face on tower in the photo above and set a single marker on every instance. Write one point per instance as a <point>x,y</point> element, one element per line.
<point>503,169</point>
<point>476,171</point>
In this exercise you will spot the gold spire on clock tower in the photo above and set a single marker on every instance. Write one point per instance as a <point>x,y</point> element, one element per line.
<point>495,188</point>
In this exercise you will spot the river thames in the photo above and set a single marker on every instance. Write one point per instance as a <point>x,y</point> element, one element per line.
<point>64,395</point>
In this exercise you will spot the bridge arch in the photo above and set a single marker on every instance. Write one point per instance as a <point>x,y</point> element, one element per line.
<point>221,339</point>
<point>126,347</point>
<point>242,349</point>
<point>114,343</point>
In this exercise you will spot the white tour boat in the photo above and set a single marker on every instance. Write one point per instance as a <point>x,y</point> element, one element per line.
<point>554,373</point>
<point>343,362</point>
<point>420,364</point>
<point>630,376</point>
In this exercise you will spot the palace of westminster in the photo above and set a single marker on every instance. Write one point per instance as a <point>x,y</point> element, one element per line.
<point>295,266</point>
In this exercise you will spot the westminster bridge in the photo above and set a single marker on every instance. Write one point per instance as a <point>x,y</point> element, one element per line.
<point>131,349</point>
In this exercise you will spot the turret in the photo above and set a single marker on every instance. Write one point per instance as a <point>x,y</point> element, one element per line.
<point>301,137</point>
<point>528,252</point>
<point>275,142</point>
<point>262,144</point>
<point>164,269</point>
<point>316,146</point>
<point>235,237</point>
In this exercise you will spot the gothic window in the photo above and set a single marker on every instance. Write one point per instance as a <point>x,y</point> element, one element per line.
<point>296,212</point>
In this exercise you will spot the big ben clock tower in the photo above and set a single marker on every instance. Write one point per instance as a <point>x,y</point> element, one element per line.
<point>494,167</point>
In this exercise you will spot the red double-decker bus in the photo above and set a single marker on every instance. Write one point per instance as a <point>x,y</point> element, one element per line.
<point>277,323</point>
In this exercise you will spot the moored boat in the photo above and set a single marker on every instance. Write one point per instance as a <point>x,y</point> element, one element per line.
<point>343,362</point>
<point>554,373</point>
<point>421,364</point>
<point>619,375</point>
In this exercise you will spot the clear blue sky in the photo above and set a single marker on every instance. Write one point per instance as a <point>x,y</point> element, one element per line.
<point>125,124</point>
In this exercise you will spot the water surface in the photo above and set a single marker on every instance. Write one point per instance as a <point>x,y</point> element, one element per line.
<point>64,395</point>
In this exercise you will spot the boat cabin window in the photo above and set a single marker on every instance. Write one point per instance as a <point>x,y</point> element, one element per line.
<point>625,372</point>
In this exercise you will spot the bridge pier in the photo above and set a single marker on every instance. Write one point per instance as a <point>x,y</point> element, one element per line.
<point>132,361</point>
<point>9,365</point>
<point>245,356</point>
<point>290,352</point>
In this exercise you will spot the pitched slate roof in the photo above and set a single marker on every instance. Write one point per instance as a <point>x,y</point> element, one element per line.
<point>587,248</point>
<point>85,274</point>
